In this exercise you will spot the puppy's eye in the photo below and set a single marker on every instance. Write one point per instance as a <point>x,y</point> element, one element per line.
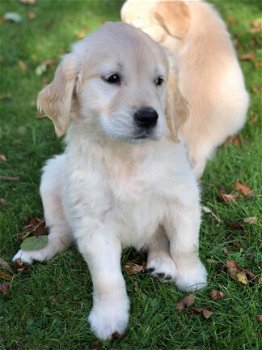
<point>112,78</point>
<point>159,81</point>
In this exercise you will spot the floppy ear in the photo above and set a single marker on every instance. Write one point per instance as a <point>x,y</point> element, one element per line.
<point>176,106</point>
<point>173,16</point>
<point>55,100</point>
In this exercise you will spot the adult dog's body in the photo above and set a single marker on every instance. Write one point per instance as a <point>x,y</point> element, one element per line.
<point>123,180</point>
<point>210,77</point>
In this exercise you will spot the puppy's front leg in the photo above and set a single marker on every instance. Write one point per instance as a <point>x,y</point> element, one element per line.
<point>102,252</point>
<point>182,229</point>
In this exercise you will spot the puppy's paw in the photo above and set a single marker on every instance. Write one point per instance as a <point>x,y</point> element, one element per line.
<point>107,319</point>
<point>29,256</point>
<point>162,267</point>
<point>191,277</point>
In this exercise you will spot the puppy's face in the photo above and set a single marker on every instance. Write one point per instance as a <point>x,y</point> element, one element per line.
<point>114,81</point>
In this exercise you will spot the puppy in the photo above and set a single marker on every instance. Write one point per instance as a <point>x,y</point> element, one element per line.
<point>124,179</point>
<point>210,77</point>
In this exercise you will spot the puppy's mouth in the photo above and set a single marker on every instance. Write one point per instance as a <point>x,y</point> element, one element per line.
<point>144,135</point>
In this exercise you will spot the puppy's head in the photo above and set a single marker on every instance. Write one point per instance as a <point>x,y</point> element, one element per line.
<point>116,83</point>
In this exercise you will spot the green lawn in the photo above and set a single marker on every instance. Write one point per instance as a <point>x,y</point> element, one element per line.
<point>47,308</point>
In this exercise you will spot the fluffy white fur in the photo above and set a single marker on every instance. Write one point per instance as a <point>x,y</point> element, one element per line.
<point>110,190</point>
<point>210,77</point>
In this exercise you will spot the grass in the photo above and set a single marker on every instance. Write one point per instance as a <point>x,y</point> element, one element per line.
<point>47,309</point>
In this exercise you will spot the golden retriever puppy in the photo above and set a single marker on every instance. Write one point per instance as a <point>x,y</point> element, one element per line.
<point>124,179</point>
<point>210,77</point>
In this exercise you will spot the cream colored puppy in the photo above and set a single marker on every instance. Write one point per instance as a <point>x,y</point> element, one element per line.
<point>210,77</point>
<point>123,179</point>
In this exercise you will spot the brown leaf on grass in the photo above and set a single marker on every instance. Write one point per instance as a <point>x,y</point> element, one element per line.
<point>254,119</point>
<point>242,277</point>
<point>133,268</point>
<point>234,140</point>
<point>2,158</point>
<point>21,266</point>
<point>228,197</point>
<point>6,266</point>
<point>2,202</point>
<point>251,276</point>
<point>5,275</point>
<point>259,318</point>
<point>242,188</point>
<point>117,336</point>
<point>237,225</point>
<point>4,288</point>
<point>28,2</point>
<point>186,301</point>
<point>35,227</point>
<point>233,269</point>
<point>203,311</point>
<point>9,178</point>
<point>22,65</point>
<point>255,26</point>
<point>216,294</point>
<point>31,15</point>
<point>209,211</point>
<point>249,56</point>
<point>250,220</point>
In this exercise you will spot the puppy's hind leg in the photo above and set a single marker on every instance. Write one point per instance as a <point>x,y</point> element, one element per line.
<point>159,262</point>
<point>59,237</point>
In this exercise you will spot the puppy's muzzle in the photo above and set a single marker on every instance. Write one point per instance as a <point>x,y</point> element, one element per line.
<point>146,118</point>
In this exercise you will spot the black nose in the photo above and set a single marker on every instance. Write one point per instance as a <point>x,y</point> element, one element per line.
<point>146,117</point>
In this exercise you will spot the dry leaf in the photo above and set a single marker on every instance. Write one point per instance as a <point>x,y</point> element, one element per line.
<point>242,188</point>
<point>255,26</point>
<point>228,197</point>
<point>31,15</point>
<point>22,65</point>
<point>242,277</point>
<point>132,268</point>
<point>35,227</point>
<point>259,318</point>
<point>186,301</point>
<point>6,266</point>
<point>216,294</point>
<point>5,275</point>
<point>234,140</point>
<point>4,288</point>
<point>21,266</point>
<point>117,336</point>
<point>205,312</point>
<point>28,2</point>
<point>251,276</point>
<point>233,269</point>
<point>9,178</point>
<point>249,56</point>
<point>2,202</point>
<point>235,225</point>
<point>2,157</point>
<point>250,220</point>
<point>209,211</point>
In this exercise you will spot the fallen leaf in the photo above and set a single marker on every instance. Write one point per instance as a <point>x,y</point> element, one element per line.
<point>80,35</point>
<point>34,243</point>
<point>22,65</point>
<point>242,277</point>
<point>255,26</point>
<point>209,211</point>
<point>2,157</point>
<point>234,140</point>
<point>9,178</point>
<point>259,318</point>
<point>6,266</point>
<point>117,336</point>
<point>238,225</point>
<point>31,15</point>
<point>12,17</point>
<point>249,56</point>
<point>251,276</point>
<point>5,275</point>
<point>21,266</point>
<point>35,227</point>
<point>203,311</point>
<point>228,197</point>
<point>4,288</point>
<point>186,301</point>
<point>242,188</point>
<point>250,220</point>
<point>2,202</point>
<point>254,119</point>
<point>233,269</point>
<point>216,294</point>
<point>42,67</point>
<point>132,268</point>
